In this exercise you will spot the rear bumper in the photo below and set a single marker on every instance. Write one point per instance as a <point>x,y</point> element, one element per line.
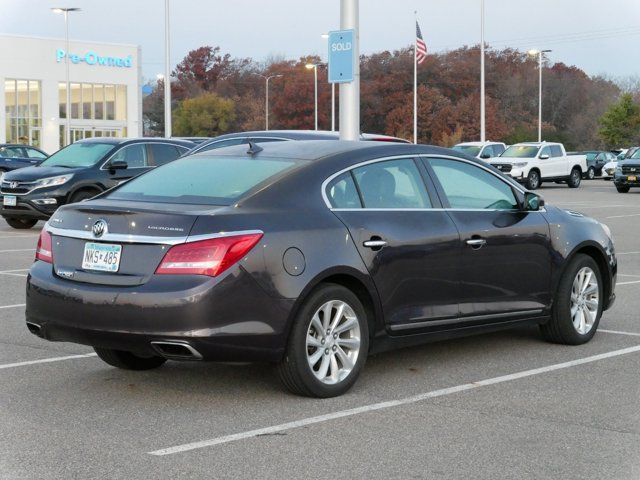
<point>229,318</point>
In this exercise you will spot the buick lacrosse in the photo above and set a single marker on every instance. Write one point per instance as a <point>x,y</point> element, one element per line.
<point>314,255</point>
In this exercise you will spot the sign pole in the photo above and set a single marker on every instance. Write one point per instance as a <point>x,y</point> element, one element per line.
<point>167,73</point>
<point>415,84</point>
<point>350,92</point>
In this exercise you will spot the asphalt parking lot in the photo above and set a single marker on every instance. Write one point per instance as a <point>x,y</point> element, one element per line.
<point>503,405</point>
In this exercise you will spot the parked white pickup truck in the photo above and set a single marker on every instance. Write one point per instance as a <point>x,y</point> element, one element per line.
<point>532,163</point>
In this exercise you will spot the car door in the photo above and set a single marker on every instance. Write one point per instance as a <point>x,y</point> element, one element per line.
<point>15,157</point>
<point>409,245</point>
<point>135,155</point>
<point>548,169</point>
<point>505,260</point>
<point>34,156</point>
<point>161,153</point>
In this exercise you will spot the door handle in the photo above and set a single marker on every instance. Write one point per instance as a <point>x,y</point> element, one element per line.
<point>476,242</point>
<point>375,243</point>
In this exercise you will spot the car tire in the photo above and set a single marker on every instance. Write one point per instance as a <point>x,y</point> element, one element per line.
<point>574,178</point>
<point>623,189</point>
<point>21,223</point>
<point>576,295</point>
<point>591,173</point>
<point>128,360</point>
<point>83,195</point>
<point>533,180</point>
<point>310,367</point>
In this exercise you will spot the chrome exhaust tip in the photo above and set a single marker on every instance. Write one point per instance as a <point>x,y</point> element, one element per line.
<point>34,328</point>
<point>176,350</point>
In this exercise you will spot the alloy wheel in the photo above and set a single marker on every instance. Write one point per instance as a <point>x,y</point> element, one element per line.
<point>584,300</point>
<point>333,342</point>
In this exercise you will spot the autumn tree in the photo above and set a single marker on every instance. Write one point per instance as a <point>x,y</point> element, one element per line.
<point>620,125</point>
<point>205,116</point>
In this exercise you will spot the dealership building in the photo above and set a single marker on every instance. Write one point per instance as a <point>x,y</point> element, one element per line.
<point>105,86</point>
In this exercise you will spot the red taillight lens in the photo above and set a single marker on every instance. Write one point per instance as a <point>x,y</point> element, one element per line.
<point>207,257</point>
<point>44,250</point>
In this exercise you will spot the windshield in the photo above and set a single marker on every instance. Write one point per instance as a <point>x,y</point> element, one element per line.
<point>520,151</point>
<point>202,180</point>
<point>470,149</point>
<point>636,154</point>
<point>79,155</point>
<point>591,155</point>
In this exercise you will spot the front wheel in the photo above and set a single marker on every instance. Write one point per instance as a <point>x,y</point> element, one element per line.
<point>128,360</point>
<point>328,344</point>
<point>83,195</point>
<point>574,178</point>
<point>21,223</point>
<point>623,189</point>
<point>578,304</point>
<point>591,173</point>
<point>533,180</point>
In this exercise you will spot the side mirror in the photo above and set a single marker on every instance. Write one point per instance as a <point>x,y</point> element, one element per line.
<point>485,156</point>
<point>533,202</point>
<point>118,165</point>
<point>544,156</point>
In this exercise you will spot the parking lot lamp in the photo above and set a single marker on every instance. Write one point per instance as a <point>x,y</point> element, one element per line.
<point>266,97</point>
<point>167,72</point>
<point>540,54</point>
<point>65,11</point>
<point>314,66</point>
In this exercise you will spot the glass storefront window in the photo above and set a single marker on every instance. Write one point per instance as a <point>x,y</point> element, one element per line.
<point>98,98</point>
<point>87,101</point>
<point>75,100</point>
<point>110,101</point>
<point>62,99</point>
<point>121,102</point>
<point>23,111</point>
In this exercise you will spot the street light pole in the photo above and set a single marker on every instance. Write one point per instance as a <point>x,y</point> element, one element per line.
<point>350,92</point>
<point>65,11</point>
<point>266,97</point>
<point>314,66</point>
<point>540,53</point>
<point>482,94</point>
<point>167,72</point>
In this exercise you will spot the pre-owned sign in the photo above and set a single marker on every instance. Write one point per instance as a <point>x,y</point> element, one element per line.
<point>92,58</point>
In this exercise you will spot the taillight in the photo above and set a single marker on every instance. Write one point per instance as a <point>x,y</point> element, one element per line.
<point>207,257</point>
<point>44,251</point>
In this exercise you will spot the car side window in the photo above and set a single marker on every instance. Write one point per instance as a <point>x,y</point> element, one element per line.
<point>545,151</point>
<point>163,153</point>
<point>556,151</point>
<point>33,153</point>
<point>470,187</point>
<point>498,149</point>
<point>13,152</point>
<point>488,150</point>
<point>221,144</point>
<point>342,192</point>
<point>392,184</point>
<point>135,156</point>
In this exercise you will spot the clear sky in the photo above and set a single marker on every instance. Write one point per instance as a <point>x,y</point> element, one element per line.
<point>601,37</point>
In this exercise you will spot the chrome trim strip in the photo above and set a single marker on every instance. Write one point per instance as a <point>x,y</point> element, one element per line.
<point>475,318</point>
<point>202,147</point>
<point>148,239</point>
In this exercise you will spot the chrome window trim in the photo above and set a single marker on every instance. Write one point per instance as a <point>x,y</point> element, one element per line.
<point>200,148</point>
<point>142,239</point>
<point>498,175</point>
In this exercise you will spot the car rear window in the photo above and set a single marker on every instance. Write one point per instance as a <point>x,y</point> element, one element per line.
<point>202,179</point>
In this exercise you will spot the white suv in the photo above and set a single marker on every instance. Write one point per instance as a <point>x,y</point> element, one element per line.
<point>532,163</point>
<point>481,150</point>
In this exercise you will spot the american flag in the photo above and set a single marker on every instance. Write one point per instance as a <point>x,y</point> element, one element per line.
<point>421,47</point>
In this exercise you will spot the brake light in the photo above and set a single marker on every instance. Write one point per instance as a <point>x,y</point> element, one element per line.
<point>207,257</point>
<point>44,251</point>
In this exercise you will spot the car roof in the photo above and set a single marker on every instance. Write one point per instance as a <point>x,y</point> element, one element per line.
<point>127,140</point>
<point>300,135</point>
<point>478,144</point>
<point>17,145</point>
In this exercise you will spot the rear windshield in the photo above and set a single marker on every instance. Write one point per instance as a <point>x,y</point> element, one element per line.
<point>520,151</point>
<point>202,180</point>
<point>79,155</point>
<point>470,149</point>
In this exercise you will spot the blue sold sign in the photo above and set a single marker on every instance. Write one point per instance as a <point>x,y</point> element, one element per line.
<point>341,56</point>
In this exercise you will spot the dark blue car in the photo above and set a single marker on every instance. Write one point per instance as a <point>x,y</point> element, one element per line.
<point>14,156</point>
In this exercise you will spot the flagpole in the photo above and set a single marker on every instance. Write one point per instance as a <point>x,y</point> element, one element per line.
<point>415,83</point>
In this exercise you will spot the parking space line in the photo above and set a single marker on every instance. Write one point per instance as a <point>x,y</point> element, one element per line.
<point>623,216</point>
<point>14,306</point>
<point>627,283</point>
<point>18,250</point>
<point>628,275</point>
<point>389,404</point>
<point>20,236</point>
<point>618,332</point>
<point>627,253</point>
<point>46,360</point>
<point>14,274</point>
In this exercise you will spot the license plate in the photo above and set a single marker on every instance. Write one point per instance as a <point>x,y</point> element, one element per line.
<point>102,257</point>
<point>632,178</point>
<point>10,201</point>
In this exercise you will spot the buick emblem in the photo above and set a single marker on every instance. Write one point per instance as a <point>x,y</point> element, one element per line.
<point>99,228</point>
<point>14,185</point>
